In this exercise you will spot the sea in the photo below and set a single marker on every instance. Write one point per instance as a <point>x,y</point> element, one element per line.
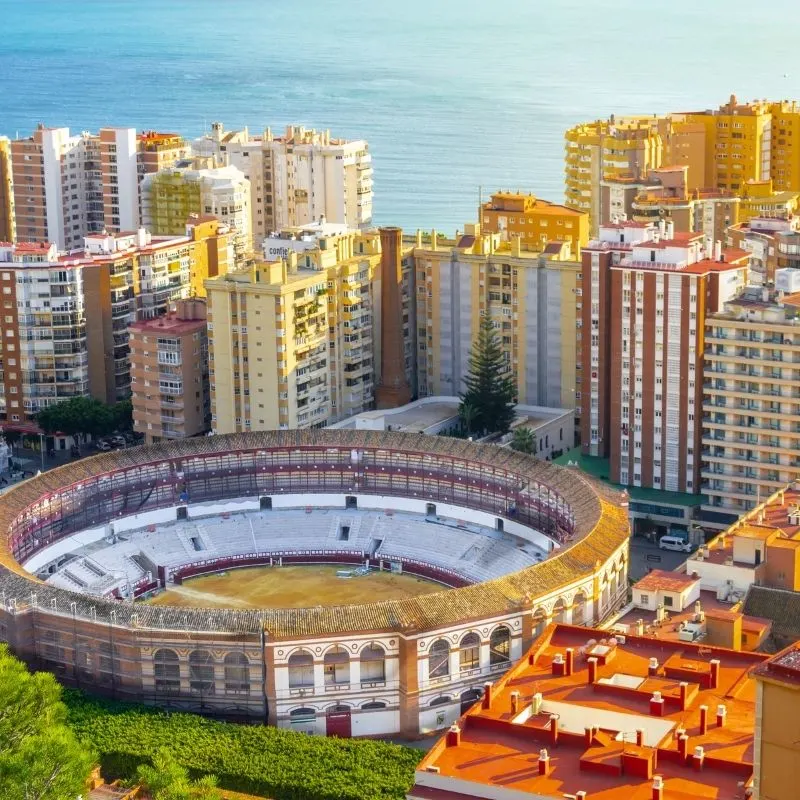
<point>457,98</point>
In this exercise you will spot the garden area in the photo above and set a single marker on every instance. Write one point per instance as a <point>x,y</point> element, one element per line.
<point>52,739</point>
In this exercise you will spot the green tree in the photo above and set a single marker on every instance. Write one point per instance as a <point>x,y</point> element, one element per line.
<point>81,415</point>
<point>468,413</point>
<point>168,780</point>
<point>123,415</point>
<point>523,441</point>
<point>489,385</point>
<point>40,758</point>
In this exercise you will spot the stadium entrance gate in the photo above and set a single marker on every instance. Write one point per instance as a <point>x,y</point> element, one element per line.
<point>338,722</point>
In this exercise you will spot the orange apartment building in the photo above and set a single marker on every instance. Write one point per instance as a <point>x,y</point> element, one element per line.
<point>536,222</point>
<point>646,291</point>
<point>169,374</point>
<point>589,716</point>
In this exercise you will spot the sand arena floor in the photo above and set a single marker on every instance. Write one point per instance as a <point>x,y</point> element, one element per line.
<point>291,587</point>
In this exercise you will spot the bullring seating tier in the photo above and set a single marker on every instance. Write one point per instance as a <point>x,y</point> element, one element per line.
<point>474,552</point>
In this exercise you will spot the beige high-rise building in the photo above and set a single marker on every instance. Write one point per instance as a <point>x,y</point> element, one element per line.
<point>170,196</point>
<point>532,297</point>
<point>751,419</point>
<point>298,178</point>
<point>295,343</point>
<point>169,373</point>
<point>7,222</point>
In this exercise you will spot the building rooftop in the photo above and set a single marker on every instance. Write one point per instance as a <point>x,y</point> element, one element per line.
<point>661,580</point>
<point>600,469</point>
<point>611,715</point>
<point>780,607</point>
<point>669,626</point>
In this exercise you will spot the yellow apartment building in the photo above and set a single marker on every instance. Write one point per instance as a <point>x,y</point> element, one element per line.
<point>213,251</point>
<point>7,223</point>
<point>531,295</point>
<point>736,148</point>
<point>536,222</point>
<point>295,343</point>
<point>619,151</point>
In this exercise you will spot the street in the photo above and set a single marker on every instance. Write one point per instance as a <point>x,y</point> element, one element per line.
<point>645,555</point>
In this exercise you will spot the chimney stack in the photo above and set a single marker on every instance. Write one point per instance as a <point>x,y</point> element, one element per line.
<point>554,729</point>
<point>684,694</point>
<point>570,661</point>
<point>592,670</point>
<point>639,737</point>
<point>652,667</point>
<point>658,788</point>
<point>722,712</point>
<point>683,746</point>
<point>453,738</point>
<point>514,702</point>
<point>656,705</point>
<point>544,762</point>
<point>487,696</point>
<point>699,757</point>
<point>703,720</point>
<point>714,673</point>
<point>536,703</point>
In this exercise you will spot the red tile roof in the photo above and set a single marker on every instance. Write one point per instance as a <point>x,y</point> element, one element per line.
<point>662,580</point>
<point>588,726</point>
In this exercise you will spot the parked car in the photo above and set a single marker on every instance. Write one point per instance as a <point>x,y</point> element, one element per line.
<point>675,543</point>
<point>103,446</point>
<point>118,441</point>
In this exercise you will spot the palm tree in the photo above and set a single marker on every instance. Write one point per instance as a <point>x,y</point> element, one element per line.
<point>468,413</point>
<point>523,441</point>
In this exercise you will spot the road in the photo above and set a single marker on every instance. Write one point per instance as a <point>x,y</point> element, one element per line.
<point>645,555</point>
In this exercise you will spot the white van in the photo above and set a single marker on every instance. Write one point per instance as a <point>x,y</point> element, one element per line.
<point>674,543</point>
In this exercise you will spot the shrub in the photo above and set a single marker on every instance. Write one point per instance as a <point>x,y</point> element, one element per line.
<point>267,761</point>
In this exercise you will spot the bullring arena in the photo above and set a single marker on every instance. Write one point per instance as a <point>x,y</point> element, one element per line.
<point>398,573</point>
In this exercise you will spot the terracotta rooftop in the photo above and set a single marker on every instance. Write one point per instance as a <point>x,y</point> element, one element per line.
<point>780,606</point>
<point>661,580</point>
<point>611,715</point>
<point>783,667</point>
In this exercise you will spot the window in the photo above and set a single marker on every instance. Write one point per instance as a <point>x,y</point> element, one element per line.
<point>373,664</point>
<point>237,674</point>
<point>201,672</point>
<point>500,646</point>
<point>167,671</point>
<point>301,670</point>
<point>668,601</point>
<point>439,659</point>
<point>469,652</point>
<point>337,666</point>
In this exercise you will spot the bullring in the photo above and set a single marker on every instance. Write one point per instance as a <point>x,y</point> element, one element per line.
<point>399,666</point>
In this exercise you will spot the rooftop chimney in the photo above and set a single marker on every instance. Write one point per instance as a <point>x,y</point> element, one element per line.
<point>544,762</point>
<point>487,695</point>
<point>658,788</point>
<point>703,720</point>
<point>453,738</point>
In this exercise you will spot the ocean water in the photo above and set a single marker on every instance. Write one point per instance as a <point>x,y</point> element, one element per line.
<point>452,95</point>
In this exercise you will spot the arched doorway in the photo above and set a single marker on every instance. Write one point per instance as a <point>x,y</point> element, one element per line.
<point>579,609</point>
<point>338,721</point>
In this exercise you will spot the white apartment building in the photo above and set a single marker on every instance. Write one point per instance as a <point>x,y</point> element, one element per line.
<point>297,178</point>
<point>70,186</point>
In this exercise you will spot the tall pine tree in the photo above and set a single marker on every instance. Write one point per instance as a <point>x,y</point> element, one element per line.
<point>490,392</point>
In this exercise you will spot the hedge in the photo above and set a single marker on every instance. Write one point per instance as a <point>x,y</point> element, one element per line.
<point>261,760</point>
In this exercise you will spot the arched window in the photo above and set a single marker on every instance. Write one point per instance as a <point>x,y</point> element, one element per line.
<point>237,674</point>
<point>539,622</point>
<point>301,669</point>
<point>443,700</point>
<point>439,659</point>
<point>373,664</point>
<point>201,672</point>
<point>500,645</point>
<point>559,610</point>
<point>299,715</point>
<point>469,652</point>
<point>166,671</point>
<point>579,609</point>
<point>337,667</point>
<point>376,706</point>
